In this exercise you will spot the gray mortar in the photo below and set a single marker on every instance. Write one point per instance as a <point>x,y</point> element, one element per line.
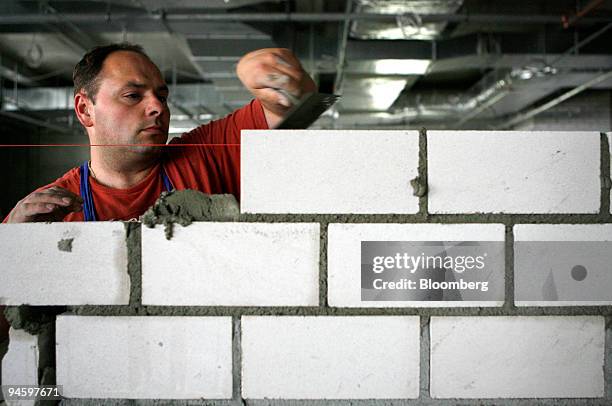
<point>419,187</point>
<point>134,249</point>
<point>509,269</point>
<point>145,402</point>
<point>65,244</point>
<point>33,319</point>
<point>608,359</point>
<point>323,299</point>
<point>423,180</point>
<point>427,402</point>
<point>430,218</point>
<point>430,402</point>
<point>333,402</point>
<point>606,182</point>
<point>186,206</point>
<point>236,358</point>
<point>424,359</point>
<point>604,311</point>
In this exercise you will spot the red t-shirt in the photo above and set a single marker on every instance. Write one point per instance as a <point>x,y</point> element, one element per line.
<point>209,169</point>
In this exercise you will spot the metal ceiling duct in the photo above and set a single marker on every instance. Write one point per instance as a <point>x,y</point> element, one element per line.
<point>407,24</point>
<point>153,5</point>
<point>498,94</point>
<point>491,99</point>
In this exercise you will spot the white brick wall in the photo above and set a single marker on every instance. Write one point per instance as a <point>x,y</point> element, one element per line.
<point>328,171</point>
<point>35,271</point>
<point>344,258</point>
<point>277,264</point>
<point>330,357</point>
<point>517,357</point>
<point>144,357</point>
<point>20,363</point>
<point>232,264</point>
<point>562,264</point>
<point>513,172</point>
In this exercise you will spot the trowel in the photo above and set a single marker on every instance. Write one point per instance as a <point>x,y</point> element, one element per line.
<point>305,110</point>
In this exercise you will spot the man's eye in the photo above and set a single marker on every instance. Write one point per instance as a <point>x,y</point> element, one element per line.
<point>133,96</point>
<point>163,99</point>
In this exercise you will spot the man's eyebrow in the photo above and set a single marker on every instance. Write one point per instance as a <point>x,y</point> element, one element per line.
<point>137,85</point>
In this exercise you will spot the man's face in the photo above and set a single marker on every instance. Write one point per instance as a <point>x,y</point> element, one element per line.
<point>130,106</point>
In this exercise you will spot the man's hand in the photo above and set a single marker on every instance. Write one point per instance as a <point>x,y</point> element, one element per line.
<point>52,204</point>
<point>269,72</point>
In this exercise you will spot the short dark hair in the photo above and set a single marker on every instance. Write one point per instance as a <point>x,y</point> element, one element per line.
<point>85,73</point>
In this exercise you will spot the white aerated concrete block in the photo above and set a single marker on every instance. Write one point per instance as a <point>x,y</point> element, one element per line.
<point>64,264</point>
<point>293,171</point>
<point>513,172</point>
<point>319,357</point>
<point>20,363</point>
<point>563,264</point>
<point>517,357</point>
<point>232,264</point>
<point>344,261</point>
<point>144,357</point>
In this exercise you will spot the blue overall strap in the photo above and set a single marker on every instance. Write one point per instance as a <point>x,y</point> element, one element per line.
<point>167,184</point>
<point>89,211</point>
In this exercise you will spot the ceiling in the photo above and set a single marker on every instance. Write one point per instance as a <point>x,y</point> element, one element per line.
<point>397,64</point>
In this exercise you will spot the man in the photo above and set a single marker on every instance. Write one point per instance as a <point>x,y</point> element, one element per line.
<point>120,97</point>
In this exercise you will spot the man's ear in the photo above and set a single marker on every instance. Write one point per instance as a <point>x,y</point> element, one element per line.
<point>83,107</point>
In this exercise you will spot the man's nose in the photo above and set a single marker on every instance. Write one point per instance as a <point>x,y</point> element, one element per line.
<point>154,106</point>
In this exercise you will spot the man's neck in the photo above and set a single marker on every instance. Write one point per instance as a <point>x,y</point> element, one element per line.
<point>119,177</point>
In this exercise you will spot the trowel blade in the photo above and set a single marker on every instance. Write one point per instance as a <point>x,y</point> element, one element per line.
<point>307,111</point>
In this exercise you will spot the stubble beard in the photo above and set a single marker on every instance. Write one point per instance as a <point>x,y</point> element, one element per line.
<point>134,150</point>
<point>144,150</point>
<point>142,153</point>
<point>135,153</point>
<point>138,148</point>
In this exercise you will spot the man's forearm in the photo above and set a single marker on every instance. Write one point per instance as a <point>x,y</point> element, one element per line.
<point>272,118</point>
